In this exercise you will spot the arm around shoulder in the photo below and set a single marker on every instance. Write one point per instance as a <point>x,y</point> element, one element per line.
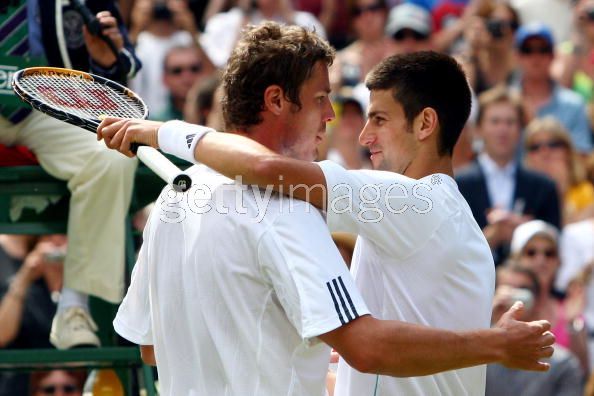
<point>403,349</point>
<point>234,155</point>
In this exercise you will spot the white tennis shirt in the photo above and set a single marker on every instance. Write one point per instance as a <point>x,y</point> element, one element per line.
<point>233,302</point>
<point>420,258</point>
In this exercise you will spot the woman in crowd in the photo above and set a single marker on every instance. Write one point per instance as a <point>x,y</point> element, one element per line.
<point>549,149</point>
<point>535,246</point>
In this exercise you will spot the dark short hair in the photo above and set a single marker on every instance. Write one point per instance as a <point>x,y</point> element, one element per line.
<point>269,54</point>
<point>427,79</point>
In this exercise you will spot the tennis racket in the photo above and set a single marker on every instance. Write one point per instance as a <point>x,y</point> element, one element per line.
<point>83,99</point>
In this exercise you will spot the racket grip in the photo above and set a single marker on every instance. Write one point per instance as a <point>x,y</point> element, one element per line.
<point>164,168</point>
<point>134,147</point>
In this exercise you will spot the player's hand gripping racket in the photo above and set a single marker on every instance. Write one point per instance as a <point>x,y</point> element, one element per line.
<point>82,99</point>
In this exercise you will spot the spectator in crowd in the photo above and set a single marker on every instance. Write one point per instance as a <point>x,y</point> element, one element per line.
<point>410,26</point>
<point>57,383</point>
<point>32,278</point>
<point>556,14</point>
<point>182,69</point>
<point>100,183</point>
<point>344,148</point>
<point>577,258</point>
<point>535,246</point>
<point>500,191</point>
<point>371,44</point>
<point>489,56</point>
<point>157,26</point>
<point>549,150</point>
<point>565,377</point>
<point>223,29</point>
<point>573,67</point>
<point>203,104</point>
<point>326,11</point>
<point>541,96</point>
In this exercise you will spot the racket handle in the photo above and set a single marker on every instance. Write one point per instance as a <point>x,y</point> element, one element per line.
<point>164,168</point>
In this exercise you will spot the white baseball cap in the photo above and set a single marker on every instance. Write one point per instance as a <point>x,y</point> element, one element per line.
<point>525,232</point>
<point>408,16</point>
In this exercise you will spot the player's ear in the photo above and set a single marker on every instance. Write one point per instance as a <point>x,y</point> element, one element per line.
<point>274,99</point>
<point>425,123</point>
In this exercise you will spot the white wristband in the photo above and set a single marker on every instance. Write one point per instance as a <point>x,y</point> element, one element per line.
<point>180,138</point>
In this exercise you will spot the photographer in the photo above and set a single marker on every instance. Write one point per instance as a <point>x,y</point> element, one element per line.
<point>489,56</point>
<point>573,68</point>
<point>157,27</point>
<point>28,296</point>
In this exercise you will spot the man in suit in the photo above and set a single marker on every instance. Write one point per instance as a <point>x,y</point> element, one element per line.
<point>500,191</point>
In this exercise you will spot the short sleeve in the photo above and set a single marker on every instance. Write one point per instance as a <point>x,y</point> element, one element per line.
<point>133,320</point>
<point>393,211</point>
<point>573,258</point>
<point>297,255</point>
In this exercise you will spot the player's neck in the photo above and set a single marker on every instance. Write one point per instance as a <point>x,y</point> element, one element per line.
<point>262,134</point>
<point>426,165</point>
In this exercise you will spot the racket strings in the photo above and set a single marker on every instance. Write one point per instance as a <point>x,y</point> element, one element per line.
<point>81,97</point>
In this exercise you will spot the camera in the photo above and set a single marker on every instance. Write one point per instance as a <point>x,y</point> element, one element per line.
<point>523,295</point>
<point>161,12</point>
<point>496,28</point>
<point>55,256</point>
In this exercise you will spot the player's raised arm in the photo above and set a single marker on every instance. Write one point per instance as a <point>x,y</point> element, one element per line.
<point>235,155</point>
<point>232,155</point>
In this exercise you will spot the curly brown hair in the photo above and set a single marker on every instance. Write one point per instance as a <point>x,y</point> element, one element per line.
<point>269,54</point>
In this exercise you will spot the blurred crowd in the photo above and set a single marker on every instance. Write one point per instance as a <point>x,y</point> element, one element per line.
<point>525,160</point>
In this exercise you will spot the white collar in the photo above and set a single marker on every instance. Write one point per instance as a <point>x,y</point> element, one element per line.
<point>490,167</point>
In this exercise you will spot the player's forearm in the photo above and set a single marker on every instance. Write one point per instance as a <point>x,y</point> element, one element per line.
<point>234,155</point>
<point>417,350</point>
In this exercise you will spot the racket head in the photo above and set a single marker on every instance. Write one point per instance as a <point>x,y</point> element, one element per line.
<point>76,97</point>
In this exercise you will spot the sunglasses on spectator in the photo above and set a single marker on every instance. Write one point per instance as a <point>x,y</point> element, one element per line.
<point>369,8</point>
<point>177,70</point>
<point>588,15</point>
<point>551,144</point>
<point>53,389</point>
<point>409,33</point>
<point>529,50</point>
<point>548,253</point>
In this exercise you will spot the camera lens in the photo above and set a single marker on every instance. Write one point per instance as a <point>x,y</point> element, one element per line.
<point>495,27</point>
<point>161,12</point>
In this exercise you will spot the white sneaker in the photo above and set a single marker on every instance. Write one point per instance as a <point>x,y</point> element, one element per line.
<point>73,327</point>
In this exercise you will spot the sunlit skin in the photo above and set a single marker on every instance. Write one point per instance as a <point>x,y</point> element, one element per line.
<point>544,267</point>
<point>387,134</point>
<point>409,44</point>
<point>179,84</point>
<point>502,13</point>
<point>584,24</point>
<point>500,130</point>
<point>296,132</point>
<point>546,158</point>
<point>369,25</point>
<point>408,148</point>
<point>58,378</point>
<point>536,66</point>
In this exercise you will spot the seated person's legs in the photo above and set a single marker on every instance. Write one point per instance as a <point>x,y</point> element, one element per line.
<point>101,183</point>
